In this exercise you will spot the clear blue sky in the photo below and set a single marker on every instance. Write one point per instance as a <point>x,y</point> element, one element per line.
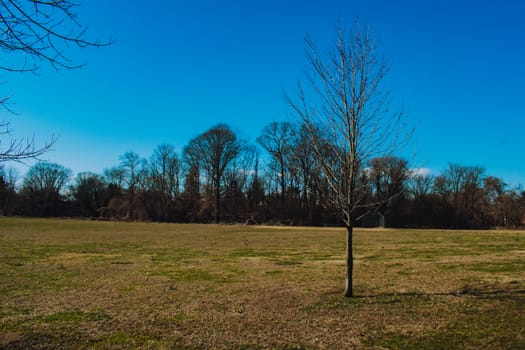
<point>179,67</point>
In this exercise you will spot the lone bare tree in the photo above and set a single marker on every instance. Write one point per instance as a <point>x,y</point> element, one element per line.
<point>32,32</point>
<point>346,114</point>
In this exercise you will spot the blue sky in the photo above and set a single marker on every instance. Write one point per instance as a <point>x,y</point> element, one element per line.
<point>180,67</point>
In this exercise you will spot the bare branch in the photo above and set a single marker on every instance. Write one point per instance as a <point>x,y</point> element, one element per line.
<point>32,32</point>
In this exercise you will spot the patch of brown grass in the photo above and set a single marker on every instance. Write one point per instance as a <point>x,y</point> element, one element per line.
<point>84,284</point>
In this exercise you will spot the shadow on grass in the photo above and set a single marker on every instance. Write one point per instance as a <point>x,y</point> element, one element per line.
<point>334,300</point>
<point>32,341</point>
<point>465,291</point>
<point>486,317</point>
<point>115,340</point>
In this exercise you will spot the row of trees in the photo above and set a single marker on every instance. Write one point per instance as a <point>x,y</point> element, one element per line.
<point>220,177</point>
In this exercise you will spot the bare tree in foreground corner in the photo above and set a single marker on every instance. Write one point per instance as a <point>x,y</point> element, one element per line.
<point>346,114</point>
<point>31,32</point>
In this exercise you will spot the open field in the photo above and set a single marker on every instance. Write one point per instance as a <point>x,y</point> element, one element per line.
<point>87,284</point>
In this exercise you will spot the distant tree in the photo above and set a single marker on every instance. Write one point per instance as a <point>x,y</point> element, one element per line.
<point>462,185</point>
<point>32,32</point>
<point>89,191</point>
<point>304,166</point>
<point>191,194</point>
<point>494,188</point>
<point>115,178</point>
<point>423,199</point>
<point>215,150</point>
<point>255,193</point>
<point>165,170</point>
<point>420,185</point>
<point>505,206</point>
<point>276,139</point>
<point>43,186</point>
<point>512,209</point>
<point>347,116</point>
<point>192,182</point>
<point>8,178</point>
<point>236,183</point>
<point>473,194</point>
<point>133,167</point>
<point>388,176</point>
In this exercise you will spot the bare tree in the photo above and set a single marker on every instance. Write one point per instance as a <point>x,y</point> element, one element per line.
<point>347,116</point>
<point>420,185</point>
<point>495,197</point>
<point>43,184</point>
<point>388,176</point>
<point>236,182</point>
<point>133,167</point>
<point>276,139</point>
<point>462,187</point>
<point>88,191</point>
<point>255,192</point>
<point>165,174</point>
<point>32,32</point>
<point>213,151</point>
<point>115,178</point>
<point>165,170</point>
<point>304,164</point>
<point>50,177</point>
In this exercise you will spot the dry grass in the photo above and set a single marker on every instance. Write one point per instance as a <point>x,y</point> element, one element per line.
<point>85,284</point>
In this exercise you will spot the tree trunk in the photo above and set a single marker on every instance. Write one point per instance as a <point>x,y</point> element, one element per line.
<point>283,189</point>
<point>217,202</point>
<point>349,262</point>
<point>307,213</point>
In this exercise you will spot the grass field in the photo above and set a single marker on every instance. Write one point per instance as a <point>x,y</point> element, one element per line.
<point>88,284</point>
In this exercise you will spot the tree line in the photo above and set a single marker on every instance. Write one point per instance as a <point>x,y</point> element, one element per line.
<point>221,177</point>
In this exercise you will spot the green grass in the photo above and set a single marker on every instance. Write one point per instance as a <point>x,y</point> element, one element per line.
<point>468,331</point>
<point>88,284</point>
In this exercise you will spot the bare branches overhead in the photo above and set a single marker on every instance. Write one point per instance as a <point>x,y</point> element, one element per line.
<point>12,149</point>
<point>32,33</point>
